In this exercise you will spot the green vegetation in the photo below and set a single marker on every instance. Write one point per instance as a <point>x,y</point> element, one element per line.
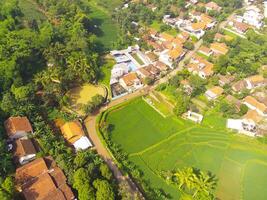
<point>138,59</point>
<point>49,47</point>
<point>107,30</point>
<point>156,144</point>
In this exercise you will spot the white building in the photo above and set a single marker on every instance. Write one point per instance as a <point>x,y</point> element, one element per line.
<point>119,70</point>
<point>194,116</point>
<point>253,17</point>
<point>247,127</point>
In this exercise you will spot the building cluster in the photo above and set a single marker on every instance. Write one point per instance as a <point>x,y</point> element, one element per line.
<point>133,68</point>
<point>253,17</point>
<point>36,178</point>
<point>197,23</point>
<point>40,178</point>
<point>254,122</point>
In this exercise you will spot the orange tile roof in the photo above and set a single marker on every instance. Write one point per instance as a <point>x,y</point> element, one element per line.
<point>30,170</point>
<point>152,57</point>
<point>241,26</point>
<point>253,115</point>
<point>167,45</point>
<point>144,72</point>
<point>198,26</point>
<point>220,48</point>
<point>178,41</point>
<point>204,49</point>
<point>166,36</point>
<point>256,79</point>
<point>72,131</point>
<point>23,147</point>
<point>160,65</point>
<point>206,19</point>
<point>254,102</point>
<point>14,124</point>
<point>176,53</point>
<point>216,90</point>
<point>40,182</point>
<point>212,5</point>
<point>129,79</point>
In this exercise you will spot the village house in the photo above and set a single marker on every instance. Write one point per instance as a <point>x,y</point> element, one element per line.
<point>161,66</point>
<point>165,37</point>
<point>205,50</point>
<point>196,29</point>
<point>254,104</point>
<point>187,87</point>
<point>254,116</point>
<point>212,6</point>
<point>243,126</point>
<point>144,73</point>
<point>220,37</point>
<point>41,179</point>
<point>231,99</point>
<point>253,17</point>
<point>239,27</point>
<point>209,22</point>
<point>152,57</point>
<point>219,48</point>
<point>239,86</point>
<point>23,151</point>
<point>17,127</point>
<point>214,92</point>
<point>74,135</point>
<point>130,82</point>
<point>117,71</point>
<point>195,117</point>
<point>253,82</point>
<point>225,80</point>
<point>200,66</point>
<point>169,57</point>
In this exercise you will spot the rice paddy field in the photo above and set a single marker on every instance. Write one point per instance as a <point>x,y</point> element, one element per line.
<point>155,143</point>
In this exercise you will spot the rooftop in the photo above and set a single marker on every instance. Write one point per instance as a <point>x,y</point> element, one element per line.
<point>16,124</point>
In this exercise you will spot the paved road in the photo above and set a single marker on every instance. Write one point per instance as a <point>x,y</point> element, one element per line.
<point>90,124</point>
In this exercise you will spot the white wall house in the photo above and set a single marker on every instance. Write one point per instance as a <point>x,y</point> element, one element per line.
<point>243,126</point>
<point>82,143</point>
<point>253,17</point>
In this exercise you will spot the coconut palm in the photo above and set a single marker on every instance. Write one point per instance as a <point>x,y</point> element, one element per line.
<point>204,185</point>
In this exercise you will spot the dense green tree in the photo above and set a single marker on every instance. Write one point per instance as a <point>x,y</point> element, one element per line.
<point>104,190</point>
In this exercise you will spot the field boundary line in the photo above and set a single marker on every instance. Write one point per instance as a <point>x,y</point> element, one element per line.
<point>161,142</point>
<point>164,116</point>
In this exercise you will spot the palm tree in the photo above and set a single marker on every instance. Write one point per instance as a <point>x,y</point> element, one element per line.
<point>204,185</point>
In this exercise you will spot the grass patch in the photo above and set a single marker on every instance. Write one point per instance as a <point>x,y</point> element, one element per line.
<point>229,33</point>
<point>136,57</point>
<point>156,25</point>
<point>155,143</point>
<point>202,55</point>
<point>107,31</point>
<point>80,96</point>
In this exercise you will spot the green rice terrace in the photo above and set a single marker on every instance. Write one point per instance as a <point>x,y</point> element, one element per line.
<point>157,144</point>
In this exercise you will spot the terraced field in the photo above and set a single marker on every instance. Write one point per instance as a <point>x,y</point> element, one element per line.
<point>155,143</point>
